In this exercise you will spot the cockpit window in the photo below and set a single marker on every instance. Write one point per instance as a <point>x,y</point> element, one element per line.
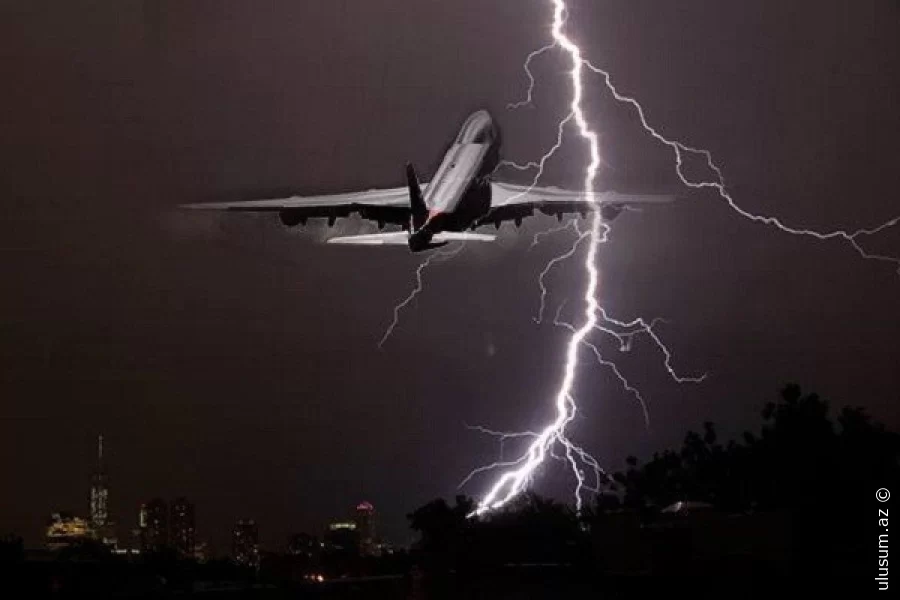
<point>476,131</point>
<point>481,136</point>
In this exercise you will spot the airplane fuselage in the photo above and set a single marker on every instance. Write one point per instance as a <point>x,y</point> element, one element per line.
<point>460,191</point>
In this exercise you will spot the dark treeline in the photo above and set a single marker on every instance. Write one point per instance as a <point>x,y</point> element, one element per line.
<point>798,494</point>
<point>799,459</point>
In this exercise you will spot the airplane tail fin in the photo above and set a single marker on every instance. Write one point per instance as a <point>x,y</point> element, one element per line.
<point>416,200</point>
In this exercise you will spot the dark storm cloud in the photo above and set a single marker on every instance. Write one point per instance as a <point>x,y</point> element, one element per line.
<point>234,361</point>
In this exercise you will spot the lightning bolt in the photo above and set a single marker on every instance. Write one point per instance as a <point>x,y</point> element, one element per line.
<point>517,474</point>
<point>434,257</point>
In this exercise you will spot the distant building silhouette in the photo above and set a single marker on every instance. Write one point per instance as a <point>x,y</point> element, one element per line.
<point>245,543</point>
<point>303,544</point>
<point>355,535</point>
<point>181,527</point>
<point>365,528</point>
<point>201,552</point>
<point>154,525</point>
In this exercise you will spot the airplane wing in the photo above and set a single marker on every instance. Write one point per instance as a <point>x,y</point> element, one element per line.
<point>514,202</point>
<point>389,205</point>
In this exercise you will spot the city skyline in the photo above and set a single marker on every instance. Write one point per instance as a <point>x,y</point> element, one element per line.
<point>158,524</point>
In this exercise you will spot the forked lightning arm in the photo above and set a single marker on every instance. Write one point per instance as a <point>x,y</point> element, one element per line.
<point>718,184</point>
<point>439,256</point>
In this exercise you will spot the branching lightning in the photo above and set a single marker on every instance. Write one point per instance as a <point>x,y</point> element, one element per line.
<point>539,165</point>
<point>434,257</point>
<point>718,183</point>
<point>582,235</point>
<point>531,56</point>
<point>502,437</point>
<point>540,235</point>
<point>609,364</point>
<point>515,475</point>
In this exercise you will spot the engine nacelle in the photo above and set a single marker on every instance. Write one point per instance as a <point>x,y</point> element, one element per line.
<point>291,218</point>
<point>610,211</point>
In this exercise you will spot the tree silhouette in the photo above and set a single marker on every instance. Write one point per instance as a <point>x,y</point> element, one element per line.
<point>801,468</point>
<point>444,530</point>
<point>802,464</point>
<point>12,549</point>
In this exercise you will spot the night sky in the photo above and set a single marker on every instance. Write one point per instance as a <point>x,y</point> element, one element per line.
<point>234,361</point>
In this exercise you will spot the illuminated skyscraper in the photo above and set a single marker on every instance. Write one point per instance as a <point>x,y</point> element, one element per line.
<point>181,527</point>
<point>99,492</point>
<point>154,524</point>
<point>102,527</point>
<point>245,543</point>
<point>64,530</point>
<point>341,537</point>
<point>365,527</point>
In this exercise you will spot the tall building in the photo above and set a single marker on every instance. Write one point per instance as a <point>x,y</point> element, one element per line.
<point>245,543</point>
<point>201,552</point>
<point>341,537</point>
<point>181,527</point>
<point>99,491</point>
<point>154,525</point>
<point>365,527</point>
<point>303,544</point>
<point>102,527</point>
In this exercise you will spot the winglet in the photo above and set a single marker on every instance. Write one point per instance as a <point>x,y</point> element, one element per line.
<point>416,201</point>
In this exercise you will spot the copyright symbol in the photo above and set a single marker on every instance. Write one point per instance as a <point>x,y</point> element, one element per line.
<point>883,495</point>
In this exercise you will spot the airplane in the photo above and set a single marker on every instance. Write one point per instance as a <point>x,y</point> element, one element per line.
<point>461,195</point>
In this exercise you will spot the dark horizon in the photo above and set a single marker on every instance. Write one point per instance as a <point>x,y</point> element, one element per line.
<point>235,362</point>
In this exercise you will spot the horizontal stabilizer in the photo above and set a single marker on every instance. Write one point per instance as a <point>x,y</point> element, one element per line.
<point>397,238</point>
<point>401,238</point>
<point>462,236</point>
